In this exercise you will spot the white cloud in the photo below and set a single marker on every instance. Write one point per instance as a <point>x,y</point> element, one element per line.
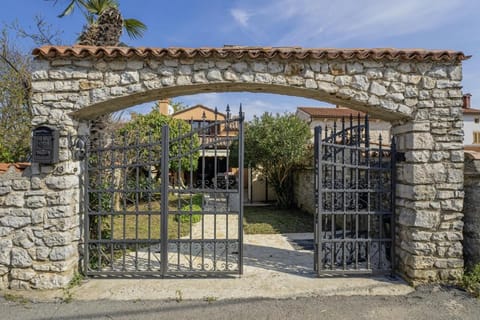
<point>241,16</point>
<point>313,22</point>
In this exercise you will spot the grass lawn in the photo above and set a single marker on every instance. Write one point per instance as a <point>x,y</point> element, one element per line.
<point>146,223</point>
<point>257,220</point>
<point>268,220</point>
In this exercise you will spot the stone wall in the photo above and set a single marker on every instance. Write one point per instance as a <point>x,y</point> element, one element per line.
<point>429,195</point>
<point>471,209</point>
<point>39,230</point>
<point>304,190</point>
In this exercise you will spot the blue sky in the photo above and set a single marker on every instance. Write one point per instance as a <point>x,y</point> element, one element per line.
<point>429,24</point>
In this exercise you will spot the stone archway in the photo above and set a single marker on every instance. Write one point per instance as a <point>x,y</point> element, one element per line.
<point>418,91</point>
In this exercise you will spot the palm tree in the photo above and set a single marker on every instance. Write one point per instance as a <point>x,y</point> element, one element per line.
<point>104,22</point>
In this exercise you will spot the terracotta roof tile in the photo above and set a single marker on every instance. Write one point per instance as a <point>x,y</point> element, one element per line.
<point>472,147</point>
<point>324,112</point>
<point>470,111</point>
<point>19,166</point>
<point>78,51</point>
<point>176,114</point>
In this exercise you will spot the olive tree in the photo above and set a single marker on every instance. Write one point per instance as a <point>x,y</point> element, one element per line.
<point>148,127</point>
<point>276,145</point>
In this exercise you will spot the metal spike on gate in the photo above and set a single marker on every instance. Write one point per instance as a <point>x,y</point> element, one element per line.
<point>334,133</point>
<point>351,129</point>
<point>359,132</point>
<point>204,118</point>
<point>228,111</point>
<point>380,151</point>
<point>367,132</point>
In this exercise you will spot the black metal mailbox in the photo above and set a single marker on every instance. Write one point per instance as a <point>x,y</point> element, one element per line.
<point>45,145</point>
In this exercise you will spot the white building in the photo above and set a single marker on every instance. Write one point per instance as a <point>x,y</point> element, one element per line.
<point>471,122</point>
<point>326,117</point>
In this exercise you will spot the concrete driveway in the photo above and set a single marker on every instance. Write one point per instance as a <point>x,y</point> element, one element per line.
<point>273,268</point>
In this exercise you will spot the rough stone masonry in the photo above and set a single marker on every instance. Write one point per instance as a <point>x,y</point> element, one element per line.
<point>418,91</point>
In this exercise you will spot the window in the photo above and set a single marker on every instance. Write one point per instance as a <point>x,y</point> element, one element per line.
<point>477,120</point>
<point>476,137</point>
<point>197,124</point>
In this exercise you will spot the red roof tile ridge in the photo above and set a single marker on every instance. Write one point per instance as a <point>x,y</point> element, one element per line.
<point>81,51</point>
<point>471,110</point>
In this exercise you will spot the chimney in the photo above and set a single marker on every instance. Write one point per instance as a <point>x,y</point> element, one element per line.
<point>466,100</point>
<point>163,106</point>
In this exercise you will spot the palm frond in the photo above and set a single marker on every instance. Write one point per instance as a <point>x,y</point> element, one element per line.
<point>96,7</point>
<point>68,10</point>
<point>135,28</point>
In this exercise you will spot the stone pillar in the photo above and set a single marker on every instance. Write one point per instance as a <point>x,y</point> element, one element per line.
<point>471,231</point>
<point>430,185</point>
<point>40,227</point>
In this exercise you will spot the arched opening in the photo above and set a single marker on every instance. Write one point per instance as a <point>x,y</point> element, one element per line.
<point>279,251</point>
<point>114,104</point>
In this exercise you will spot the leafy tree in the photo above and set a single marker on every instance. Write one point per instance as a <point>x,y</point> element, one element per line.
<point>148,127</point>
<point>42,34</point>
<point>104,22</point>
<point>179,106</point>
<point>15,111</point>
<point>276,145</point>
<point>15,106</point>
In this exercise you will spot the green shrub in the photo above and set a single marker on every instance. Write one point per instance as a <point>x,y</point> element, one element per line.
<point>185,216</point>
<point>471,280</point>
<point>197,199</point>
<point>144,189</point>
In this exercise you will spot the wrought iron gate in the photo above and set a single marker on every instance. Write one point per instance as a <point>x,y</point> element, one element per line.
<point>162,206</point>
<point>355,198</point>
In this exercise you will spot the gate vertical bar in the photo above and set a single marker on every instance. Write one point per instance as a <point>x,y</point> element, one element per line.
<point>393,181</point>
<point>318,216</point>
<point>315,190</point>
<point>164,201</point>
<point>86,208</point>
<point>240,189</point>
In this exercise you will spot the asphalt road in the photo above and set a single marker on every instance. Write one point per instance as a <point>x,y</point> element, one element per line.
<point>425,303</point>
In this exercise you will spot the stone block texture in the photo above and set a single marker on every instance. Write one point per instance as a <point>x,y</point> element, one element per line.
<point>304,190</point>
<point>471,230</point>
<point>39,213</point>
<point>38,250</point>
